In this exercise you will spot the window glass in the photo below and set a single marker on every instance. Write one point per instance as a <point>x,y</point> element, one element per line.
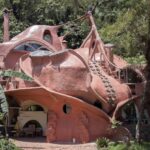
<point>47,36</point>
<point>31,47</point>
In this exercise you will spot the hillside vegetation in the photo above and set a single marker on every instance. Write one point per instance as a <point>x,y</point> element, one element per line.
<point>121,22</point>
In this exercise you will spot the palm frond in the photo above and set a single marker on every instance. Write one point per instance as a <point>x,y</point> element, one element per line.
<point>11,73</point>
<point>3,103</point>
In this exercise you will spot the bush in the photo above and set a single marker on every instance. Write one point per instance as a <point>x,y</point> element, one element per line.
<point>105,144</point>
<point>102,142</point>
<point>119,146</point>
<point>7,145</point>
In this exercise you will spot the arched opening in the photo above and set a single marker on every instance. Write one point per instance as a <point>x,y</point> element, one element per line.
<point>12,59</point>
<point>32,115</point>
<point>47,36</point>
<point>30,46</point>
<point>32,128</point>
<point>34,108</point>
<point>30,105</point>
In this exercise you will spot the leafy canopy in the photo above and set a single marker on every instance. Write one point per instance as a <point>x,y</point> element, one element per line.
<point>122,22</point>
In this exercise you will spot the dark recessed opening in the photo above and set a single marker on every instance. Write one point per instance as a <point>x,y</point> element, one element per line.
<point>93,44</point>
<point>98,104</point>
<point>66,109</point>
<point>32,122</point>
<point>34,108</point>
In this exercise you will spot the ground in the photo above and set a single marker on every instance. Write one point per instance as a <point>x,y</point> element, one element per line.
<point>40,144</point>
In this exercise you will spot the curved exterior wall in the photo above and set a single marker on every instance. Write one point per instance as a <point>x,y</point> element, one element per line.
<point>81,89</point>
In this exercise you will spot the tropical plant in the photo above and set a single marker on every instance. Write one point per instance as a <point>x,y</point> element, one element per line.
<point>7,145</point>
<point>3,109</point>
<point>3,101</point>
<point>115,124</point>
<point>102,142</point>
<point>11,73</point>
<point>123,146</point>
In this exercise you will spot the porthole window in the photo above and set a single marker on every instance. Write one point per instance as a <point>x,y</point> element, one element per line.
<point>47,36</point>
<point>67,108</point>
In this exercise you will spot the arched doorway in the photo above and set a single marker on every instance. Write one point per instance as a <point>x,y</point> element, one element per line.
<point>32,128</point>
<point>34,115</point>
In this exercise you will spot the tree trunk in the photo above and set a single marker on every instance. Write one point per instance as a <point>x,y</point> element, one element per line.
<point>137,129</point>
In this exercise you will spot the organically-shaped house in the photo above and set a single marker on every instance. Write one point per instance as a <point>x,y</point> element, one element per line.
<point>75,94</point>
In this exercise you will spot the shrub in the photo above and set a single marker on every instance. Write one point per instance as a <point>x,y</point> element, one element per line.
<point>102,142</point>
<point>7,145</point>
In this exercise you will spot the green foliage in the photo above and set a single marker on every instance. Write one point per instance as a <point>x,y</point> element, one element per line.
<point>7,145</point>
<point>3,100</point>
<point>102,142</point>
<point>3,103</point>
<point>115,124</point>
<point>1,116</point>
<point>122,22</point>
<point>118,147</point>
<point>75,33</point>
<point>131,146</point>
<point>138,59</point>
<point>122,146</point>
<point>11,73</point>
<point>129,31</point>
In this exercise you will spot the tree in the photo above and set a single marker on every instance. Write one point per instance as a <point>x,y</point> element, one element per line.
<point>145,103</point>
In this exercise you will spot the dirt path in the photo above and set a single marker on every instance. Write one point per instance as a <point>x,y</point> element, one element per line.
<point>40,144</point>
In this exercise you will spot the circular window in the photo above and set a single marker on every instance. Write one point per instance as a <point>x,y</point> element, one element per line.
<point>66,109</point>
